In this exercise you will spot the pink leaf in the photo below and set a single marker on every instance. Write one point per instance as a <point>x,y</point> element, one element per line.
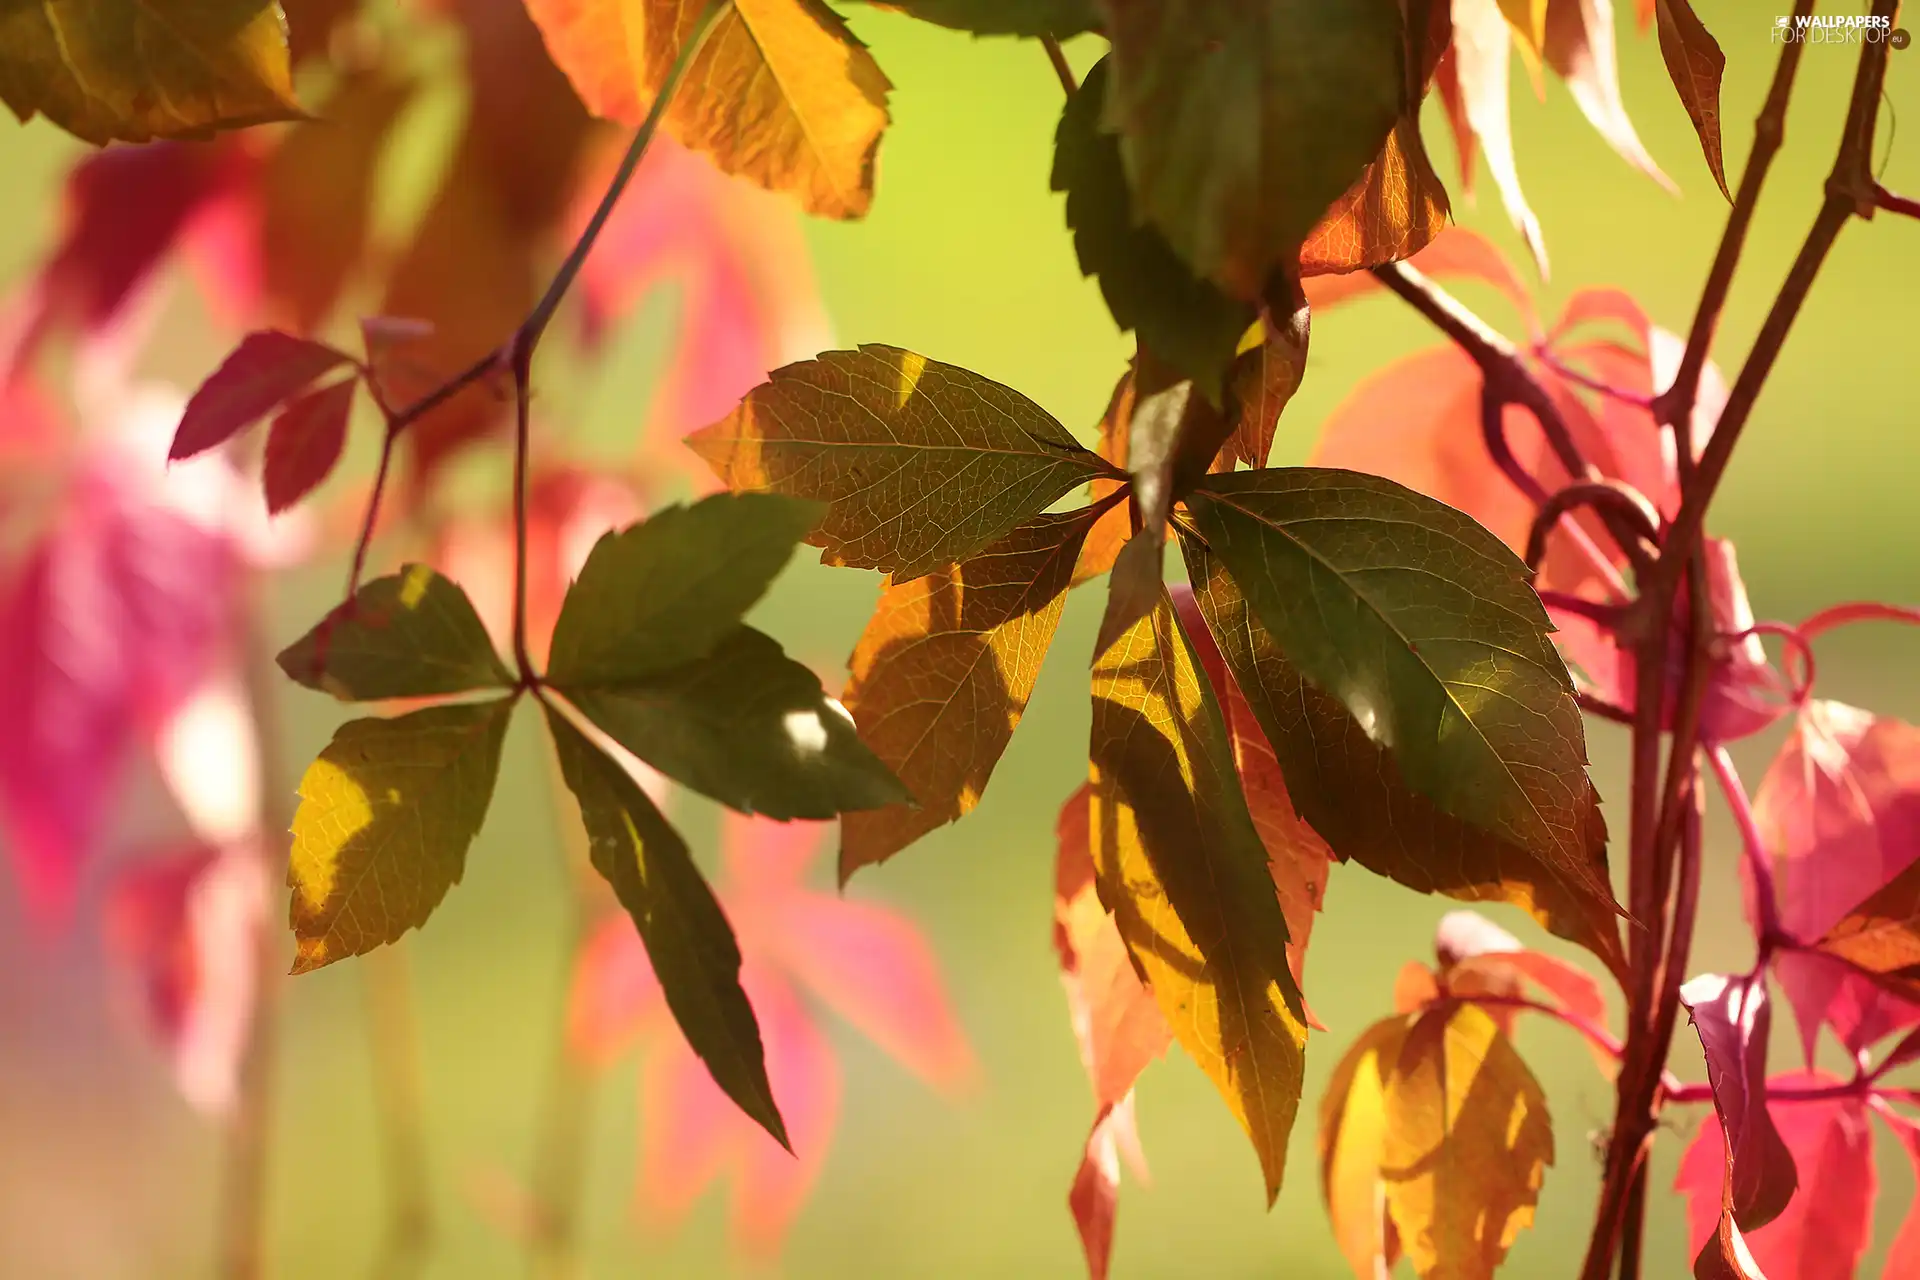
<point>1733,1018</point>
<point>613,993</point>
<point>1839,809</point>
<point>262,372</point>
<point>305,443</point>
<point>1094,1199</point>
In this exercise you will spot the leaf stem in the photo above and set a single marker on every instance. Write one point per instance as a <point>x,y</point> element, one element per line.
<point>1841,615</point>
<point>1607,496</point>
<point>1765,894</point>
<point>1061,67</point>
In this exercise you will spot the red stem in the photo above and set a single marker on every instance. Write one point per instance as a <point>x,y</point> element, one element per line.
<point>1759,866</point>
<point>1841,615</point>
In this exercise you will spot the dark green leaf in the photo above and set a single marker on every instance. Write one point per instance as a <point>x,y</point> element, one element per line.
<point>413,634</point>
<point>664,592</point>
<point>749,727</point>
<point>1186,320</point>
<point>924,463</point>
<point>686,934</point>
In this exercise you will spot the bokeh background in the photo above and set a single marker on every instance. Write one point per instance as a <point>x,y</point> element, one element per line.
<point>104,1173</point>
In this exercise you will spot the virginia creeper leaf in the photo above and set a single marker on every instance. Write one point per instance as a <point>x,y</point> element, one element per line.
<point>1478,957</point>
<point>1353,1119</point>
<point>1094,1199</point>
<point>1482,42</point>
<point>1057,18</point>
<point>1580,47</point>
<point>305,443</point>
<point>1695,64</point>
<point>1189,321</point>
<point>265,370</point>
<point>924,463</point>
<point>1466,1145</point>
<point>1425,628</point>
<point>1134,587</point>
<point>748,726</point>
<point>1734,1018</point>
<point>1262,381</point>
<point>687,936</point>
<point>664,592</point>
<point>412,634</point>
<point>123,70</point>
<point>386,814</point>
<point>943,671</point>
<point>782,93</point>
<point>1348,786</point>
<point>1395,209</point>
<point>1182,868</point>
<point>1240,125</point>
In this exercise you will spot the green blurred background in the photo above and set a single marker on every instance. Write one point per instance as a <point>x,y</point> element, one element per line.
<point>103,1173</point>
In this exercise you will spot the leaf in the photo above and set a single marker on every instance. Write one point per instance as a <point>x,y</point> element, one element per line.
<point>1395,209</point>
<point>1467,1143</point>
<point>1817,1237</point>
<point>688,940</point>
<point>265,370</point>
<point>1348,786</point>
<point>1695,64</point>
<point>1580,48</point>
<point>1241,125</point>
<point>1060,19</point>
<point>923,463</point>
<point>782,93</point>
<point>1095,1197</point>
<point>1262,382</point>
<point>123,70</point>
<point>412,634</point>
<point>386,814</point>
<point>1134,588</point>
<point>1839,812</point>
<point>305,443</point>
<point>1353,1134</point>
<point>1477,956</point>
<point>667,591</point>
<point>943,671</point>
<point>1734,1019</point>
<point>1182,868</point>
<point>1149,289</point>
<point>747,726</point>
<point>1425,628</point>
<point>1529,21</point>
<point>1481,41</point>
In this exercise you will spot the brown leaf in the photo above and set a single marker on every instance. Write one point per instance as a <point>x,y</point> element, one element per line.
<point>1182,868</point>
<point>1695,64</point>
<point>1261,383</point>
<point>1395,210</point>
<point>943,672</point>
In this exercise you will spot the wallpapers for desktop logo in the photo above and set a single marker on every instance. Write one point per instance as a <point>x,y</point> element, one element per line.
<point>1838,29</point>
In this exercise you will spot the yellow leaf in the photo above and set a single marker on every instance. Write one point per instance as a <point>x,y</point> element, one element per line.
<point>107,70</point>
<point>1353,1132</point>
<point>1528,18</point>
<point>386,814</point>
<point>1181,867</point>
<point>782,93</point>
<point>1467,1143</point>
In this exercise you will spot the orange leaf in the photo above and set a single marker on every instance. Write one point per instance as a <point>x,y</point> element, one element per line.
<point>1395,210</point>
<point>1353,1119</point>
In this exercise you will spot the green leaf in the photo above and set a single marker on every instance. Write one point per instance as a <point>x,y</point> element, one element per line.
<point>1350,788</point>
<point>413,634</point>
<point>662,593</point>
<point>132,70</point>
<point>1189,322</point>
<point>1180,865</point>
<point>687,936</point>
<point>749,727</point>
<point>1241,124</point>
<point>924,463</point>
<point>1058,18</point>
<point>1425,627</point>
<point>386,814</point>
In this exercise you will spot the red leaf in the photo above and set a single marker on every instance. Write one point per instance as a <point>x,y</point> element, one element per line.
<point>1733,1019</point>
<point>1839,810</point>
<point>1819,1236</point>
<point>305,443</point>
<point>263,371</point>
<point>1094,1200</point>
<point>1695,65</point>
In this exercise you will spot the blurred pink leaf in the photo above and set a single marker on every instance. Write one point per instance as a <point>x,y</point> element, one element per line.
<point>1094,1200</point>
<point>1817,1237</point>
<point>1839,810</point>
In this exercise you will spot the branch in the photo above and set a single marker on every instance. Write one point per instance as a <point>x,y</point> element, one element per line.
<point>1061,67</point>
<point>1615,496</point>
<point>1893,203</point>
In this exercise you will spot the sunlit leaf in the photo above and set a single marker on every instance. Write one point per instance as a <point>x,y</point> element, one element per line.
<point>1695,64</point>
<point>1482,41</point>
<point>1353,1134</point>
<point>1240,125</point>
<point>386,814</point>
<point>1262,382</point>
<point>1188,321</point>
<point>687,936</point>
<point>263,372</point>
<point>943,671</point>
<point>1393,211</point>
<point>665,592</point>
<point>413,634</point>
<point>305,443</point>
<point>1183,870</point>
<point>1466,1146</point>
<point>1580,48</point>
<point>923,463</point>
<point>782,93</point>
<point>748,726</point>
<point>1733,1018</point>
<point>1349,787</point>
<point>107,70</point>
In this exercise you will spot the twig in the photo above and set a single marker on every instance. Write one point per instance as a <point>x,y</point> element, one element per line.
<point>1841,615</point>
<point>1061,67</point>
<point>1615,496</point>
<point>1893,203</point>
